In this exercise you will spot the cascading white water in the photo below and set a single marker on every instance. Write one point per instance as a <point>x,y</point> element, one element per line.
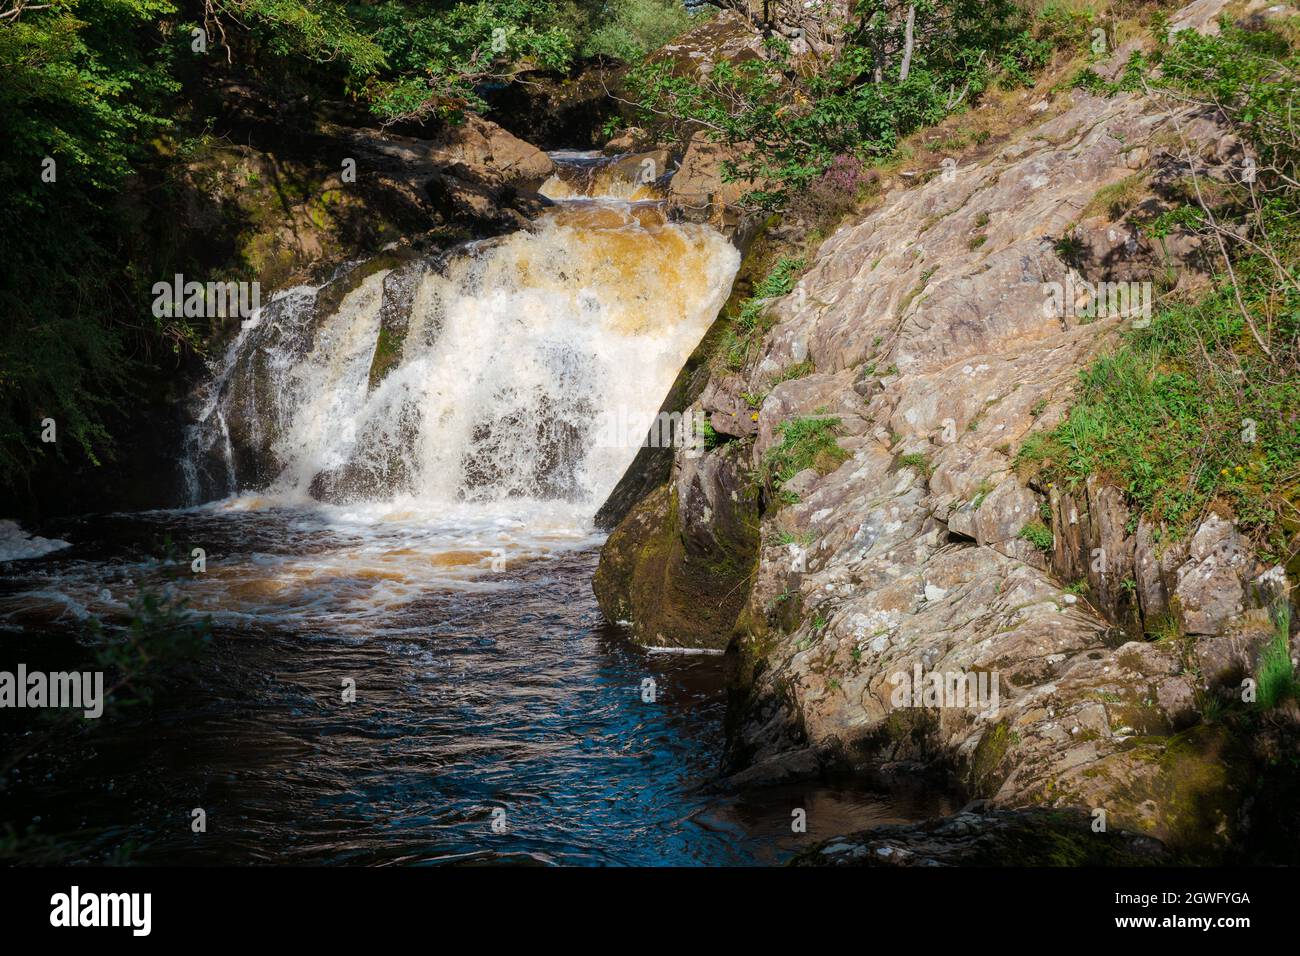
<point>480,378</point>
<point>423,423</point>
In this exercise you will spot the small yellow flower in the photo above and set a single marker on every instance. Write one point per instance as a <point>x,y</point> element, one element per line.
<point>754,417</point>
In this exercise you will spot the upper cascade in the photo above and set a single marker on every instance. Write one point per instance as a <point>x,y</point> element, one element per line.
<point>628,177</point>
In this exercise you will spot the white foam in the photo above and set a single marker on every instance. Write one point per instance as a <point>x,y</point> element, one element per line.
<point>17,545</point>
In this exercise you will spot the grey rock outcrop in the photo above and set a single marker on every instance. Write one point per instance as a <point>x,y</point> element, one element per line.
<point>926,552</point>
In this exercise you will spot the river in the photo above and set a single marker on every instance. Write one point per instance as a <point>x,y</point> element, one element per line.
<point>392,479</point>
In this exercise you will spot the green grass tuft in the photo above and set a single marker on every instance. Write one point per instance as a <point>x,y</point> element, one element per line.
<point>805,443</point>
<point>1277,676</point>
<point>1037,534</point>
<point>918,461</point>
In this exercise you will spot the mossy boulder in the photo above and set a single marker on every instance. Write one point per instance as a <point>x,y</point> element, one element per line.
<point>278,214</point>
<point>400,286</point>
<point>1195,793</point>
<point>683,583</point>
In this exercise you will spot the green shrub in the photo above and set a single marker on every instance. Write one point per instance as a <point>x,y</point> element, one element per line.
<point>750,321</point>
<point>780,281</point>
<point>629,29</point>
<point>792,372</point>
<point>789,120</point>
<point>918,461</point>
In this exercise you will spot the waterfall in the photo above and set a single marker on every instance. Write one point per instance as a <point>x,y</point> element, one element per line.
<point>482,375</point>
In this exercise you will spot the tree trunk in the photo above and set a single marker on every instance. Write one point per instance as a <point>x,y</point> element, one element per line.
<point>908,42</point>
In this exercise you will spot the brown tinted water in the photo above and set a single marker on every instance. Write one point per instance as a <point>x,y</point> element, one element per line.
<point>505,691</point>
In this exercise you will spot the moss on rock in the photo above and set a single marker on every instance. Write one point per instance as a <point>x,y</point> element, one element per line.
<point>675,585</point>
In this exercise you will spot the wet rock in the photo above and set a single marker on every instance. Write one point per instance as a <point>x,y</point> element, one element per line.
<point>478,142</point>
<point>630,140</point>
<point>475,173</point>
<point>644,168</point>
<point>477,195</point>
<point>982,837</point>
<point>395,316</point>
<point>346,484</point>
<point>675,566</point>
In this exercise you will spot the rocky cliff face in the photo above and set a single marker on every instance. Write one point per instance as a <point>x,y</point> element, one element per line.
<point>293,198</point>
<point>936,333</point>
